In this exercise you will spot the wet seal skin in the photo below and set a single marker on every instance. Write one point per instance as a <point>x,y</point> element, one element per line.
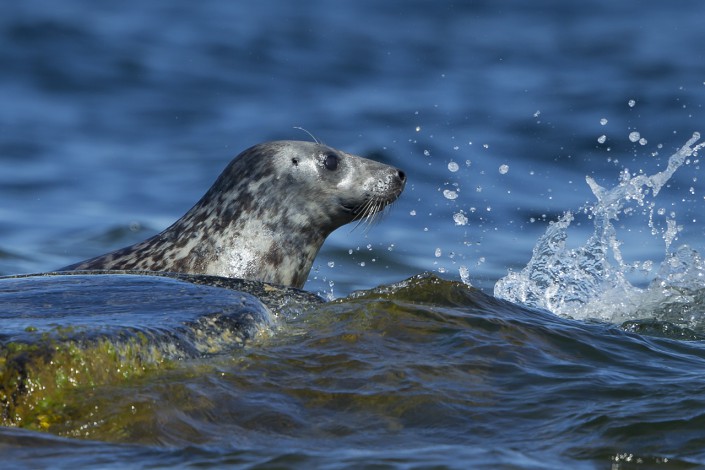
<point>266,216</point>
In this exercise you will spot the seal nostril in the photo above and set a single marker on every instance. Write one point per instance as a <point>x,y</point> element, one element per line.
<point>402,175</point>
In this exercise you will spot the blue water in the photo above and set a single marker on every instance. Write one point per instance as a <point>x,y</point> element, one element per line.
<point>115,119</point>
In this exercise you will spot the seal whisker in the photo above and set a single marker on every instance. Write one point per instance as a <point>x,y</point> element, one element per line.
<point>302,129</point>
<point>361,213</point>
<point>380,211</point>
<point>371,212</point>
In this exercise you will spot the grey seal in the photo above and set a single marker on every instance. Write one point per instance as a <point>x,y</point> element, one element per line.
<point>266,216</point>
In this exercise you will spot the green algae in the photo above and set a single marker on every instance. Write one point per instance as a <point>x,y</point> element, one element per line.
<point>42,383</point>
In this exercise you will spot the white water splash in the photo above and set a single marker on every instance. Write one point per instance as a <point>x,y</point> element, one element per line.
<point>465,275</point>
<point>590,281</point>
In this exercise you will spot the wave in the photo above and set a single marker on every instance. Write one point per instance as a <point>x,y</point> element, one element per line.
<point>592,280</point>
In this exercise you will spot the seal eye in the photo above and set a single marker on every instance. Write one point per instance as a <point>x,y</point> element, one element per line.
<point>331,162</point>
<point>295,161</point>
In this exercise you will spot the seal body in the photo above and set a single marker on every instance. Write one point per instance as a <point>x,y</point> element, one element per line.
<point>266,216</point>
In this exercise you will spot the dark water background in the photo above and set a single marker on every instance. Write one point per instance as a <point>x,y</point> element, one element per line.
<point>115,118</point>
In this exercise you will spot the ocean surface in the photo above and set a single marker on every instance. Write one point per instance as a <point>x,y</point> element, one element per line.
<point>535,298</point>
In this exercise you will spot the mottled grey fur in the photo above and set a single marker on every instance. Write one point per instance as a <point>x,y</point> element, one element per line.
<point>266,216</point>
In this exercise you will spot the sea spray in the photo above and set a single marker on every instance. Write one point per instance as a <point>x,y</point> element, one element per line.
<point>591,281</point>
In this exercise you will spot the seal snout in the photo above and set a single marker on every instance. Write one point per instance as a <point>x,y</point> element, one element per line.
<point>393,183</point>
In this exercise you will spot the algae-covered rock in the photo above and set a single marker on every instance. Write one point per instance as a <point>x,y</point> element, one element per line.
<point>64,333</point>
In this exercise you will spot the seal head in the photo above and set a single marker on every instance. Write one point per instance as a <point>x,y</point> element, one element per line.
<point>266,216</point>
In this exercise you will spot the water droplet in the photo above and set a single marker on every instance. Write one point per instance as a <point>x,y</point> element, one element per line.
<point>503,169</point>
<point>418,128</point>
<point>331,264</point>
<point>448,194</point>
<point>438,253</point>
<point>631,103</point>
<point>634,136</point>
<point>602,139</point>
<point>412,212</point>
<point>452,166</point>
<point>460,219</point>
<point>603,121</point>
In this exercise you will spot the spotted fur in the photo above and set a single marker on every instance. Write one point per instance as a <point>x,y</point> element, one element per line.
<point>266,216</point>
